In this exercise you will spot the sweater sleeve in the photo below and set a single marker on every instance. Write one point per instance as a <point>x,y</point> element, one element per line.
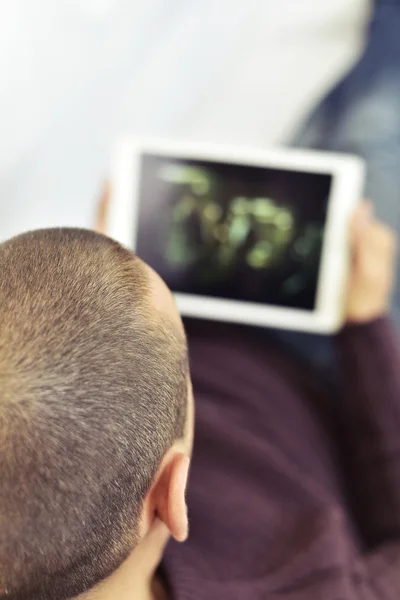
<point>370,416</point>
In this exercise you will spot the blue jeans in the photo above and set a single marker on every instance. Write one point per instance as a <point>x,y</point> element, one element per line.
<point>362,116</point>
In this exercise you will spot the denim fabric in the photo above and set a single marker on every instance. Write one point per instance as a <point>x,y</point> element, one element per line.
<point>362,116</point>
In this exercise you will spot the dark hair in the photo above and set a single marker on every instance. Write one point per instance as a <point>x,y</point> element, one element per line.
<point>93,391</point>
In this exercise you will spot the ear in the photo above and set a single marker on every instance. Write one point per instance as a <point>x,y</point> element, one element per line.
<point>169,496</point>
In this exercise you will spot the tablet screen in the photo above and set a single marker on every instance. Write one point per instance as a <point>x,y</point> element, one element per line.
<point>233,231</point>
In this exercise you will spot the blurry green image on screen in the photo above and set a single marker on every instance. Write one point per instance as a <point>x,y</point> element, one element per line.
<point>233,231</point>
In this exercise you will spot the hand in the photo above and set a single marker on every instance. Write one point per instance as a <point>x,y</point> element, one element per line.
<point>373,265</point>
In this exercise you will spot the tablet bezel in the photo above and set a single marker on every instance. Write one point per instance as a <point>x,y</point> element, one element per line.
<point>346,191</point>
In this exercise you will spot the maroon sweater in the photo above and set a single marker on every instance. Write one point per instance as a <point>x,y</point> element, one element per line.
<point>290,498</point>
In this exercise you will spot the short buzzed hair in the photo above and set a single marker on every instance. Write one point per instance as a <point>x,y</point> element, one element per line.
<point>93,392</point>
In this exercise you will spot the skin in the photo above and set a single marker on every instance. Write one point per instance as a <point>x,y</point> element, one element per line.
<point>373,267</point>
<point>165,513</point>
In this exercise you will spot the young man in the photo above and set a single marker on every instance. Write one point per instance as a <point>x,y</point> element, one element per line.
<point>289,496</point>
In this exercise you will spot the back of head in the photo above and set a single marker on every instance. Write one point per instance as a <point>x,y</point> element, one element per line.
<point>92,394</point>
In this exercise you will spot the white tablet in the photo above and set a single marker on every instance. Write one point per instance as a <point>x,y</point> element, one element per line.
<point>243,235</point>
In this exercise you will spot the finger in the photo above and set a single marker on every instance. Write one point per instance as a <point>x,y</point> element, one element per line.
<point>102,208</point>
<point>366,230</point>
<point>380,237</point>
<point>376,241</point>
<point>361,218</point>
<point>374,252</point>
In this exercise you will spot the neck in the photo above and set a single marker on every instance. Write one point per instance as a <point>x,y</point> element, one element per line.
<point>136,577</point>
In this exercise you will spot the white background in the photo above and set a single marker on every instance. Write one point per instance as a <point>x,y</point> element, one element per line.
<point>75,73</point>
